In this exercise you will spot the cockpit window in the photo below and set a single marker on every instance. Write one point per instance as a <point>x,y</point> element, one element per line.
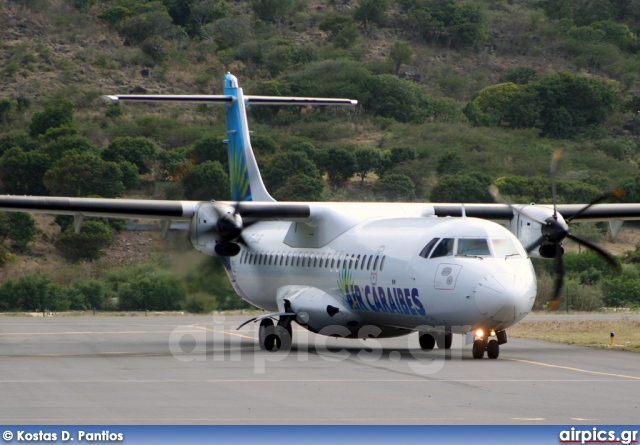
<point>444,248</point>
<point>504,248</point>
<point>427,249</point>
<point>473,246</point>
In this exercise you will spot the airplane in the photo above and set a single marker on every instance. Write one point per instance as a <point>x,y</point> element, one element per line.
<point>357,270</point>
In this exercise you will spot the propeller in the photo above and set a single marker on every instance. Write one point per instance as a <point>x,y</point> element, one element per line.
<point>555,229</point>
<point>229,228</point>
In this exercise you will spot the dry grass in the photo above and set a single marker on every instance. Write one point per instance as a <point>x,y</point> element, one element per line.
<point>593,333</point>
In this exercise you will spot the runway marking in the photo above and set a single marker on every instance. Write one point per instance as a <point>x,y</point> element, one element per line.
<point>583,420</point>
<point>239,335</point>
<point>232,419</point>
<point>569,368</point>
<point>533,419</point>
<point>300,381</point>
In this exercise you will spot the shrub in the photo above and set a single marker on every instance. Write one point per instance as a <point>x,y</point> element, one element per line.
<point>206,181</point>
<point>395,187</point>
<point>84,175</point>
<point>159,291</point>
<point>19,227</point>
<point>139,151</point>
<point>52,117</point>
<point>284,166</point>
<point>86,245</point>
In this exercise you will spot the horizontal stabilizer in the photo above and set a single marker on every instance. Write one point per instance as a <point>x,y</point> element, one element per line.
<point>249,100</point>
<point>278,100</point>
<point>200,98</point>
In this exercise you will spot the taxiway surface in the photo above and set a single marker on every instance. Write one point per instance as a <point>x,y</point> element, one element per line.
<point>197,369</point>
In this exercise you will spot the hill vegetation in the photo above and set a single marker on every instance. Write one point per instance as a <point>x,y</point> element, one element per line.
<point>454,96</point>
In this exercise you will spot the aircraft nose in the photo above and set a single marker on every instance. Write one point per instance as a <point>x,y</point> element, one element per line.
<point>504,297</point>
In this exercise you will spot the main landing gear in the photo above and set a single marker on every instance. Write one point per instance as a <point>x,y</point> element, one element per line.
<point>428,339</point>
<point>490,343</point>
<point>278,337</point>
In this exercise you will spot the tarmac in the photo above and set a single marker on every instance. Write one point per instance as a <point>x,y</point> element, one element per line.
<point>200,370</point>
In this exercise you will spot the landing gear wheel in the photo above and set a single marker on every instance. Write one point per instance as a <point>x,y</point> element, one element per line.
<point>493,349</point>
<point>427,342</point>
<point>265,335</point>
<point>478,349</point>
<point>444,340</point>
<point>282,338</point>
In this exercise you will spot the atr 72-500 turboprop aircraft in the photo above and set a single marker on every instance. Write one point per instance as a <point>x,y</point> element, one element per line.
<point>336,268</point>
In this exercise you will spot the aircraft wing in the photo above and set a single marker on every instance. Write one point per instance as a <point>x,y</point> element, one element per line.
<point>502,212</point>
<point>147,208</point>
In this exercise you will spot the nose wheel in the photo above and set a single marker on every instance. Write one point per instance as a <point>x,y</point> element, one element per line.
<point>489,343</point>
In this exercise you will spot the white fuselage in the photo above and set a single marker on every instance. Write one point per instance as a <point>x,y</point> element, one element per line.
<point>375,269</point>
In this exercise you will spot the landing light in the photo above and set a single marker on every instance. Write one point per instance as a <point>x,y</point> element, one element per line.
<point>479,333</point>
<point>492,334</point>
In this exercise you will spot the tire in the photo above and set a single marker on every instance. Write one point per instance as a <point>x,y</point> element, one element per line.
<point>478,349</point>
<point>444,340</point>
<point>265,335</point>
<point>427,342</point>
<point>282,338</point>
<point>493,349</point>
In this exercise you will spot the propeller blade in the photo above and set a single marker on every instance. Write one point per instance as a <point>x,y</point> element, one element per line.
<point>610,259</point>
<point>495,193</point>
<point>615,193</point>
<point>554,170</point>
<point>559,270</point>
<point>536,243</point>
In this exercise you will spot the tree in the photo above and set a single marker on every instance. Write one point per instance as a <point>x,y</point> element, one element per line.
<point>300,187</point>
<point>88,294</point>
<point>339,164</point>
<point>284,166</point>
<point>503,104</point>
<point>206,181</point>
<point>86,245</point>
<point>139,27</point>
<point>52,117</point>
<point>459,188</point>
<point>84,175</point>
<point>368,160</point>
<point>273,10</point>
<point>395,187</point>
<point>138,151</point>
<point>19,227</point>
<point>394,157</point>
<point>371,11</point>
<point>399,53</point>
<point>22,173</point>
<point>571,104</point>
<point>399,99</point>
<point>449,164</point>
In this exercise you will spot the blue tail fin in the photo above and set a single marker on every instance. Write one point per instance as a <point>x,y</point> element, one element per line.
<point>246,182</point>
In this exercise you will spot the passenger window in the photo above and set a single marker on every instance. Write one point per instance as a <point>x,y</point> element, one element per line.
<point>504,248</point>
<point>364,260</point>
<point>369,262</point>
<point>473,247</point>
<point>444,248</point>
<point>270,259</point>
<point>427,249</point>
<point>375,263</point>
<point>282,258</point>
<point>333,262</point>
<point>350,261</point>
<point>382,263</point>
<point>315,260</point>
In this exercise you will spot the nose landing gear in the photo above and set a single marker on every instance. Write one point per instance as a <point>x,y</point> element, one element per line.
<point>490,343</point>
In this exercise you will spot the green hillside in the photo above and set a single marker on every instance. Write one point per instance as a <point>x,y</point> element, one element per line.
<point>453,96</point>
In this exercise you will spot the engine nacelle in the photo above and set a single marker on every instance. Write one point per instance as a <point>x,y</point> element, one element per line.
<point>529,225</point>
<point>204,228</point>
